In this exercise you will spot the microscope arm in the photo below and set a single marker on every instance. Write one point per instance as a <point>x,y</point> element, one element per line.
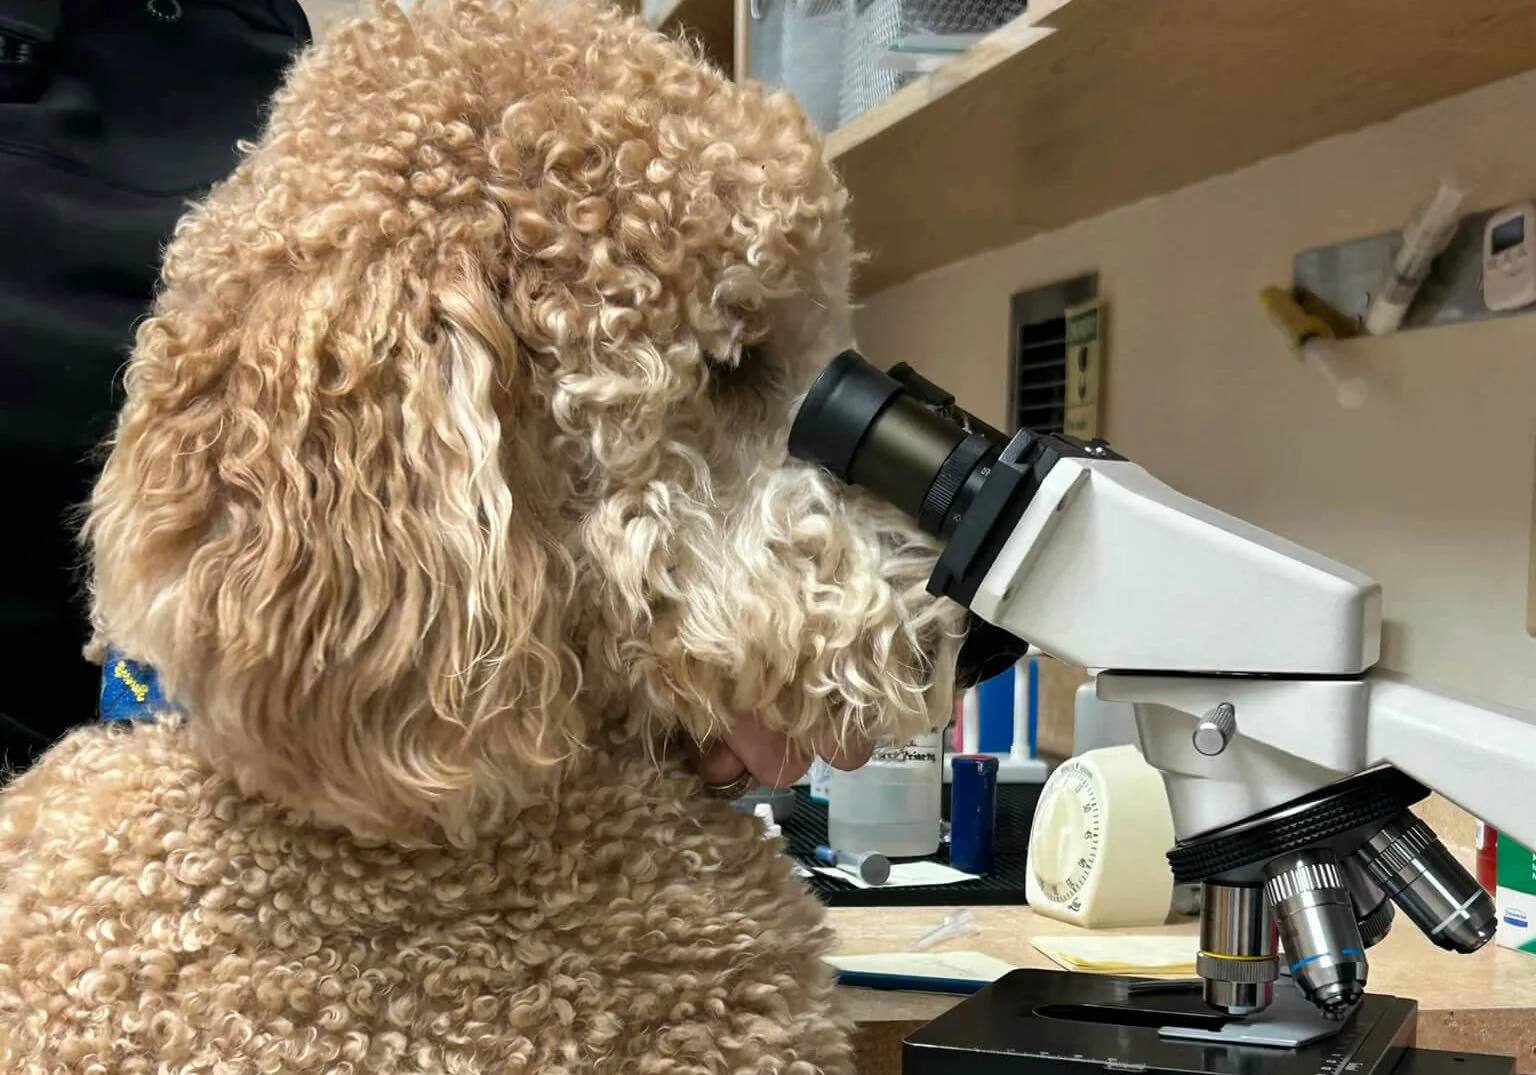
<point>1481,757</point>
<point>1183,608</point>
<point>1109,568</point>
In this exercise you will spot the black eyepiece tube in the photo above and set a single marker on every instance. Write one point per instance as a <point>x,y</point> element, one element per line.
<point>847,398</point>
<point>901,438</point>
<point>867,428</point>
<point>942,401</point>
<point>907,447</point>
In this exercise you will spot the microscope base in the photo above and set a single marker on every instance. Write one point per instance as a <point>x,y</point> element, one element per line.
<point>1034,1022</point>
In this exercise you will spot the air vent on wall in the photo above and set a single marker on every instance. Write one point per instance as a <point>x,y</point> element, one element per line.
<point>1038,353</point>
<point>1040,376</point>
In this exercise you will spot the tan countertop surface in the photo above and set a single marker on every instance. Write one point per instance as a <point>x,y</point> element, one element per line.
<point>1484,1002</point>
<point>1405,964</point>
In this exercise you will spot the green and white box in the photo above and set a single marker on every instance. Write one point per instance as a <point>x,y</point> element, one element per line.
<point>1516,897</point>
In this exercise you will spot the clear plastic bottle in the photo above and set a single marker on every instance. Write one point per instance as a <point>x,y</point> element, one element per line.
<point>891,805</point>
<point>821,781</point>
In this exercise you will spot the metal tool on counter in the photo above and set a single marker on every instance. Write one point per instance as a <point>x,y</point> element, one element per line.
<point>871,867</point>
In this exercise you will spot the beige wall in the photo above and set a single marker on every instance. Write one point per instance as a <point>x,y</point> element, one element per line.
<point>1428,488</point>
<point>323,14</point>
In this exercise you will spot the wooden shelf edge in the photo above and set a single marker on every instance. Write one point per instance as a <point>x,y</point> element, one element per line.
<point>1091,105</point>
<point>667,14</point>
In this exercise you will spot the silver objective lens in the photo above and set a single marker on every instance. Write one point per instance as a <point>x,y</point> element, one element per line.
<point>1316,919</point>
<point>1237,949</point>
<point>1373,909</point>
<point>1410,864</point>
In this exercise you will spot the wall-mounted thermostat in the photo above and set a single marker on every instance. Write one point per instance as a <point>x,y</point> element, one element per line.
<point>1509,265</point>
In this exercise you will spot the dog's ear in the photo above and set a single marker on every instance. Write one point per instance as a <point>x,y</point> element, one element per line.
<point>320,524</point>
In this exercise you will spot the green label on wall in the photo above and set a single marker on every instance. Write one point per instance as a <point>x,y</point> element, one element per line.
<point>1084,368</point>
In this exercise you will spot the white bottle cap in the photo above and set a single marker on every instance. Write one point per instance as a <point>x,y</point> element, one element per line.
<point>764,813</point>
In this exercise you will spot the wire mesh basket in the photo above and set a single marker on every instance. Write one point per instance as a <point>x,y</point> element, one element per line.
<point>765,43</point>
<point>866,79</point>
<point>891,42</point>
<point>814,31</point>
<point>840,57</point>
<point>797,45</point>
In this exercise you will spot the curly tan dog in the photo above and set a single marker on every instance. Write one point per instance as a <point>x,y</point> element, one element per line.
<point>450,489</point>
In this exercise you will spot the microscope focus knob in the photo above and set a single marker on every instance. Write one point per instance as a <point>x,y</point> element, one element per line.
<point>1216,729</point>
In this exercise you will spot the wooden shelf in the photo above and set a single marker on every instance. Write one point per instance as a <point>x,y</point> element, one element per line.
<point>1085,105</point>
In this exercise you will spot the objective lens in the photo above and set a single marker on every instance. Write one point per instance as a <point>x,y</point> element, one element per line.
<point>862,425</point>
<point>1373,910</point>
<point>1237,948</point>
<point>1316,918</point>
<point>1410,864</point>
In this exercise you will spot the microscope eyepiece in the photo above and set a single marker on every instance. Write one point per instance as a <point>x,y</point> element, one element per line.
<point>880,433</point>
<point>902,438</point>
<point>846,399</point>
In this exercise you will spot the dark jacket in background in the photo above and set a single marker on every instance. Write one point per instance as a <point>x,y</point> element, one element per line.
<point>106,132</point>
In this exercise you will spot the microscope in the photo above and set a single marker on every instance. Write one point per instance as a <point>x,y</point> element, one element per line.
<point>1290,760</point>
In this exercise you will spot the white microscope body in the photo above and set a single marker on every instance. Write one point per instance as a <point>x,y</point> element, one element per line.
<point>1290,759</point>
<point>1250,662</point>
<point>1110,569</point>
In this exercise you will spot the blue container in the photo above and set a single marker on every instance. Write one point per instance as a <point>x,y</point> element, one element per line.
<point>972,813</point>
<point>995,702</point>
<point>994,712</point>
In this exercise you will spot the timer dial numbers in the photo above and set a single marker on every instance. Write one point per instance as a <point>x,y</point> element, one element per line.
<point>1098,848</point>
<point>1069,827</point>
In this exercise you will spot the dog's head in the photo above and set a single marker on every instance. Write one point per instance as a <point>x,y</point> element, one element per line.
<point>456,441</point>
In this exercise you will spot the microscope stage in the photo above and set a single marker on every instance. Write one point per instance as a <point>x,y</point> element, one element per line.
<point>1034,1022</point>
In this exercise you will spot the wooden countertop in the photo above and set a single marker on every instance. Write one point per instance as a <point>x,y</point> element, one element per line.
<point>1484,1002</point>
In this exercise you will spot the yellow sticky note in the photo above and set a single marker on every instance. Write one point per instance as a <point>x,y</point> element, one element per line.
<point>1121,954</point>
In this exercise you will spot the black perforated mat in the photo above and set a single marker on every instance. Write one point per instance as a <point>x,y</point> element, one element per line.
<point>806,829</point>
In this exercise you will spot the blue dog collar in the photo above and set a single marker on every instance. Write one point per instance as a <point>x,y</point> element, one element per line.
<point>130,690</point>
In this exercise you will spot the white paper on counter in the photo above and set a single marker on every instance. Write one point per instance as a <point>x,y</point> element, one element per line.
<point>905,875</point>
<point>1113,953</point>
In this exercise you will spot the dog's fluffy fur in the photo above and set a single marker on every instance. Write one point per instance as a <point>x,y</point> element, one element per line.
<point>450,488</point>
